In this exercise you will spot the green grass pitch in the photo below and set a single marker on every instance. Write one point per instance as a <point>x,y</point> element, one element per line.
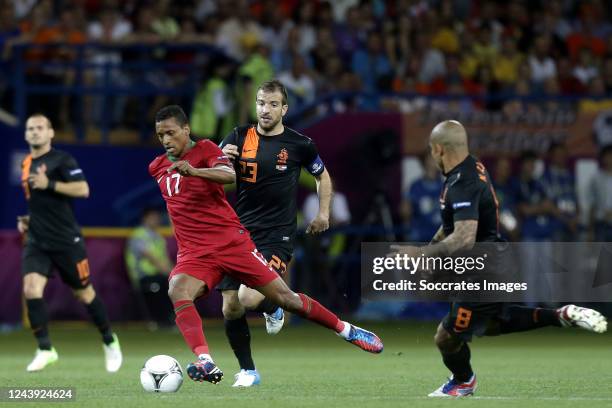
<point>306,366</point>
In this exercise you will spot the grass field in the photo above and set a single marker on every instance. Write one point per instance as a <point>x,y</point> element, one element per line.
<point>305,366</point>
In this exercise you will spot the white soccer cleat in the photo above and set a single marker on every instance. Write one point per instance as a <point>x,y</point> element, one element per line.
<point>113,356</point>
<point>587,319</point>
<point>275,321</point>
<point>246,378</point>
<point>42,359</point>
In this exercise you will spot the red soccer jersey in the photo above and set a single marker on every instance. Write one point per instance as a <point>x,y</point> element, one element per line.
<point>204,221</point>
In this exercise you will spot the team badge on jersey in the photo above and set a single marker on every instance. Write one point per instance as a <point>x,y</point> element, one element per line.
<point>281,163</point>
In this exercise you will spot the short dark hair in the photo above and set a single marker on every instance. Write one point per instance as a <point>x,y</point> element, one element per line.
<point>41,115</point>
<point>172,111</point>
<point>274,86</point>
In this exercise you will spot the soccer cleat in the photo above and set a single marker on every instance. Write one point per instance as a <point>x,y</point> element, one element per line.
<point>453,388</point>
<point>275,321</point>
<point>113,355</point>
<point>246,378</point>
<point>588,319</point>
<point>204,370</point>
<point>42,359</point>
<point>364,339</point>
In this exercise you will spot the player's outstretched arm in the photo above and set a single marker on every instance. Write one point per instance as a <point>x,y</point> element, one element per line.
<point>221,173</point>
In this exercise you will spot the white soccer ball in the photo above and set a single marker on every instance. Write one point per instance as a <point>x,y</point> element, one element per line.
<point>161,374</point>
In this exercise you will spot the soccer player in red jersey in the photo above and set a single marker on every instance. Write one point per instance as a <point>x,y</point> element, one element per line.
<point>212,242</point>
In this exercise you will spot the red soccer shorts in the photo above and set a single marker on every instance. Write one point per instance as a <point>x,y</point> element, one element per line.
<point>238,259</point>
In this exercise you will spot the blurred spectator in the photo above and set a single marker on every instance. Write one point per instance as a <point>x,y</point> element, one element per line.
<point>255,70</point>
<point>601,198</point>
<point>349,35</point>
<point>506,65</point>
<point>212,115</point>
<point>420,208</point>
<point>584,38</point>
<point>558,178</point>
<point>111,28</point>
<point>299,83</point>
<point>542,66</point>
<point>304,24</point>
<point>205,9</point>
<point>397,36</point>
<point>484,49</point>
<point>445,38</point>
<point>340,9</point>
<point>275,33</point>
<point>505,191</point>
<point>143,29</point>
<point>533,205</point>
<point>372,65</point>
<point>586,68</point>
<point>323,267</point>
<point>432,59</point>
<point>239,31</point>
<point>163,24</point>
<point>284,60</point>
<point>568,83</point>
<point>325,50</point>
<point>149,265</point>
<point>553,15</point>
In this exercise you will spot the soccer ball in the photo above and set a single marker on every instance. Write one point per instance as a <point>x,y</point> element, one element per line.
<point>161,374</point>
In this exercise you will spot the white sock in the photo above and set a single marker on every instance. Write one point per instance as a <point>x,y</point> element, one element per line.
<point>345,332</point>
<point>205,357</point>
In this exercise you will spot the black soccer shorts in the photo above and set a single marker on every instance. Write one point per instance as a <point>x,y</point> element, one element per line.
<point>466,319</point>
<point>71,263</point>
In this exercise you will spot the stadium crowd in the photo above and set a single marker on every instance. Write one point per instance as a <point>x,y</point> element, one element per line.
<point>484,53</point>
<point>462,48</point>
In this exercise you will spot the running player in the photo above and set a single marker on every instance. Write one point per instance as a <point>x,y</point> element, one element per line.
<point>268,158</point>
<point>50,179</point>
<point>212,242</point>
<point>469,215</point>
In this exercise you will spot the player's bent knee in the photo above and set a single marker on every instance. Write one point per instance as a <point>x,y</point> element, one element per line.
<point>232,312</point>
<point>33,286</point>
<point>85,295</point>
<point>249,298</point>
<point>445,341</point>
<point>179,292</point>
<point>231,309</point>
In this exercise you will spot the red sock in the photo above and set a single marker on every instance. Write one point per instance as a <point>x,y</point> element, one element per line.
<point>314,311</point>
<point>190,324</point>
